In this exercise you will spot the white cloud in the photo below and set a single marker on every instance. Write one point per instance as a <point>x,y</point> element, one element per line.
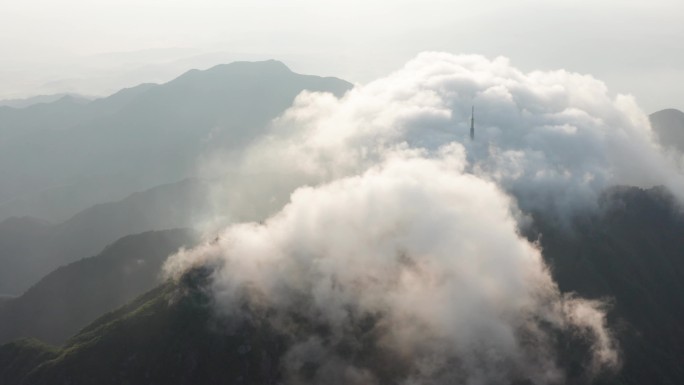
<point>550,138</point>
<point>429,250</point>
<point>397,216</point>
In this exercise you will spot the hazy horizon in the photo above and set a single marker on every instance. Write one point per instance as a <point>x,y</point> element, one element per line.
<point>97,48</point>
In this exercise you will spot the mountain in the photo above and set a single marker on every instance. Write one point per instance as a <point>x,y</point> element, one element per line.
<point>668,126</point>
<point>40,99</point>
<point>75,155</point>
<point>31,248</point>
<point>74,295</point>
<point>171,335</point>
<point>120,99</point>
<point>629,253</point>
<point>163,337</point>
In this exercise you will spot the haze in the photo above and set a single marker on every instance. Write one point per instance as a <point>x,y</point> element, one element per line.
<point>98,47</point>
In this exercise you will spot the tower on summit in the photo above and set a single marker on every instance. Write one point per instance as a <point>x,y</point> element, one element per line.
<point>472,124</point>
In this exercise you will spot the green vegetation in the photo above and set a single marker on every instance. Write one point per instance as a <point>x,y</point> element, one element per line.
<point>166,336</point>
<point>23,356</point>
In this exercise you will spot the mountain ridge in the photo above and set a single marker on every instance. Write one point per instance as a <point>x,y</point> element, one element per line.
<point>42,99</point>
<point>74,295</point>
<point>31,248</point>
<point>139,137</point>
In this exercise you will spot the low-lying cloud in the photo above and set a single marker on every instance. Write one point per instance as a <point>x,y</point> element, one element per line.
<point>392,214</point>
<point>553,139</point>
<point>431,252</point>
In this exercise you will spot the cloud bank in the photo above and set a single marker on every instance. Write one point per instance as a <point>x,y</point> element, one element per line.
<point>428,251</point>
<point>553,139</point>
<point>395,220</point>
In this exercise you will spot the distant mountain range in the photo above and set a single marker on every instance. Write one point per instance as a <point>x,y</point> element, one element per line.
<point>630,253</point>
<point>26,102</point>
<point>72,296</point>
<point>74,154</point>
<point>31,248</point>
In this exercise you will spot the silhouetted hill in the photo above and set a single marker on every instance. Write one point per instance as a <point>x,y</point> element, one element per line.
<point>31,248</point>
<point>75,155</point>
<point>631,252</point>
<point>20,124</point>
<point>26,102</point>
<point>120,99</point>
<point>668,126</point>
<point>163,337</point>
<point>170,335</point>
<point>76,294</point>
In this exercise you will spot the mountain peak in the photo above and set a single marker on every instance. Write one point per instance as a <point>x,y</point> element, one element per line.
<point>669,111</point>
<point>668,125</point>
<point>271,64</point>
<point>238,69</point>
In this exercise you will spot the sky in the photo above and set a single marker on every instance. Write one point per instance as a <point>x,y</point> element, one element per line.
<point>96,47</point>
